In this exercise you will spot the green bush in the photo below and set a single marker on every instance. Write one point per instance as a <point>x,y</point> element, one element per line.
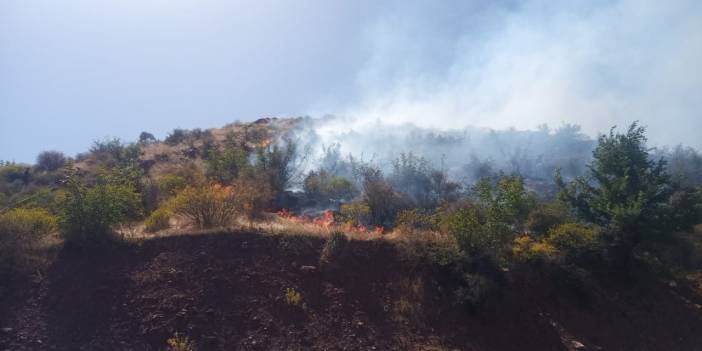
<point>20,230</point>
<point>113,153</point>
<point>170,184</point>
<point>15,173</point>
<point>488,226</point>
<point>631,195</point>
<point>354,213</point>
<point>383,201</point>
<point>279,164</point>
<point>577,242</point>
<point>546,216</point>
<point>525,248</point>
<point>176,137</point>
<point>473,234</point>
<point>158,220</point>
<point>146,138</point>
<point>90,212</point>
<point>50,161</point>
<point>224,166</point>
<point>323,186</point>
<point>415,219</point>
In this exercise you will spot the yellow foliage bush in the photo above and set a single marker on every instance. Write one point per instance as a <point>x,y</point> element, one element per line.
<point>180,343</point>
<point>576,241</point>
<point>294,298</point>
<point>207,206</point>
<point>355,213</point>
<point>20,230</point>
<point>158,220</point>
<point>525,248</point>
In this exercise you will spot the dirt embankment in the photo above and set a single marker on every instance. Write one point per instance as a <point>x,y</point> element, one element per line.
<point>228,292</point>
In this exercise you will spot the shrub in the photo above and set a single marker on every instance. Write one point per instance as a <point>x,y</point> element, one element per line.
<point>578,242</point>
<point>489,225</point>
<point>383,202</point>
<point>332,249</point>
<point>506,203</point>
<point>293,297</point>
<point>323,186</point>
<point>525,248</point>
<point>158,220</point>
<point>277,163</point>
<point>355,213</point>
<point>469,227</point>
<point>206,206</point>
<point>20,230</point>
<point>226,165</point>
<point>146,138</point>
<point>43,197</point>
<point>176,137</point>
<point>339,188</point>
<point>546,216</point>
<point>170,184</point>
<point>629,193</point>
<point>473,291</point>
<point>50,161</point>
<point>415,219</point>
<point>180,343</point>
<point>113,153</point>
<point>15,173</point>
<point>88,213</point>
<point>252,196</point>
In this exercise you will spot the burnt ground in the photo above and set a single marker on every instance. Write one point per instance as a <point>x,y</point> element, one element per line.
<point>227,292</point>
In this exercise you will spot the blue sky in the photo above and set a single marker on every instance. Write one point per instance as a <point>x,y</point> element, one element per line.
<point>79,70</point>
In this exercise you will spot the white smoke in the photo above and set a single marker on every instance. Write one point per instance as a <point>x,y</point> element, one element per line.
<point>520,64</point>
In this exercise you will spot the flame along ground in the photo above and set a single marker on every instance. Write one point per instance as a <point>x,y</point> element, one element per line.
<point>326,221</point>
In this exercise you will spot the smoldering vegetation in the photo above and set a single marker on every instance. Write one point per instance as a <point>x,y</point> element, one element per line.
<point>427,165</point>
<point>413,157</point>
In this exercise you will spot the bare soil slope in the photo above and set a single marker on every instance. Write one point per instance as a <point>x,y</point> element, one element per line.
<point>227,292</point>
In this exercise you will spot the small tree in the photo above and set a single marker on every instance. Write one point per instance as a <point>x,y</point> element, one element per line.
<point>146,138</point>
<point>226,165</point>
<point>50,161</point>
<point>89,212</point>
<point>627,193</point>
<point>176,137</point>
<point>324,186</point>
<point>280,164</point>
<point>382,200</point>
<point>497,216</point>
<point>113,153</point>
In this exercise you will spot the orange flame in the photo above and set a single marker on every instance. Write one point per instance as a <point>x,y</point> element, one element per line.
<point>326,220</point>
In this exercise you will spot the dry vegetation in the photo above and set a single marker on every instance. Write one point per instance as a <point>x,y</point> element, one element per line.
<point>450,245</point>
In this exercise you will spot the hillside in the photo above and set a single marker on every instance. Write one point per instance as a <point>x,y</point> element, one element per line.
<point>244,238</point>
<point>227,291</point>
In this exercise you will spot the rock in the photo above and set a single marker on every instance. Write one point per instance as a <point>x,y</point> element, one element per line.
<point>308,268</point>
<point>577,345</point>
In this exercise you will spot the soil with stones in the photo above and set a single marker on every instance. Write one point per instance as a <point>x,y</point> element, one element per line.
<point>235,291</point>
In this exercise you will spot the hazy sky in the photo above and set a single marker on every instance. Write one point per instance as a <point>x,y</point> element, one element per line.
<point>74,71</point>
